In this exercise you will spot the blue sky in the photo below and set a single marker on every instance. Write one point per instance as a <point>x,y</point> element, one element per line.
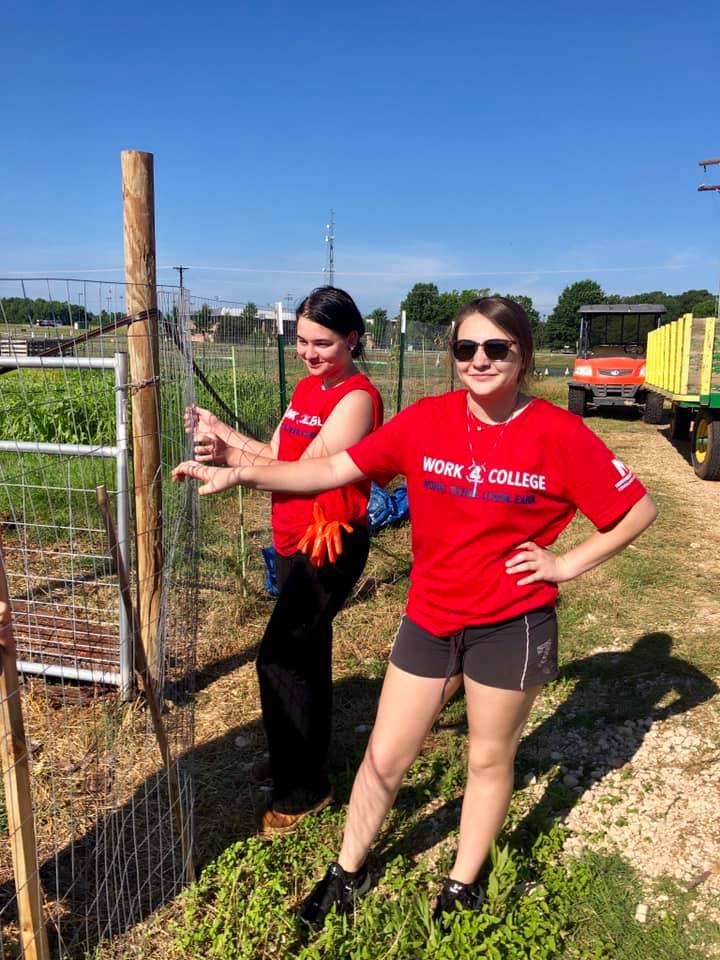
<point>517,146</point>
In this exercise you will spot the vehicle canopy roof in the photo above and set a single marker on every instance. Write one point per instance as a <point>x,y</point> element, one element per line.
<point>624,325</point>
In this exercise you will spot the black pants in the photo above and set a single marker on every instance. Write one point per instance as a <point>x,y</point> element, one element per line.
<point>294,668</point>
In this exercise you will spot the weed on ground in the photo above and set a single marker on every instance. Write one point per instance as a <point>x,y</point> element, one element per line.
<point>611,850</point>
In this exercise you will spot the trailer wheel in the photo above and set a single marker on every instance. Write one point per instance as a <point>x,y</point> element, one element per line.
<point>653,407</point>
<point>577,401</point>
<point>680,420</point>
<point>706,448</point>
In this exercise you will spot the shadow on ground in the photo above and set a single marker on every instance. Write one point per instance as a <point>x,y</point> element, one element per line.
<point>128,865</point>
<point>680,446</point>
<point>616,698</point>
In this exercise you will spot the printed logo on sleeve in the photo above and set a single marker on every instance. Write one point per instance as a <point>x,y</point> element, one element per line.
<point>303,419</point>
<point>293,422</point>
<point>626,474</point>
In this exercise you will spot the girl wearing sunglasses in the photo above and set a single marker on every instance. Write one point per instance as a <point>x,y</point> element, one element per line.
<point>493,477</point>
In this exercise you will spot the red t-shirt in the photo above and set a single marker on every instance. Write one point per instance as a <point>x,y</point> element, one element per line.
<point>310,406</point>
<point>475,493</point>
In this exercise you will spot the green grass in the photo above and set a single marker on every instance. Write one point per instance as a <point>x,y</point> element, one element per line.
<point>538,907</point>
<point>58,406</point>
<point>610,901</point>
<point>232,913</point>
<point>542,905</point>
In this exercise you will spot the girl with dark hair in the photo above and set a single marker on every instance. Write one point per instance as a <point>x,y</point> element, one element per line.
<point>333,407</point>
<point>493,477</point>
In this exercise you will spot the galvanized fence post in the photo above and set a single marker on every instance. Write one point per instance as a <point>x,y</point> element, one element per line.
<point>401,362</point>
<point>281,355</point>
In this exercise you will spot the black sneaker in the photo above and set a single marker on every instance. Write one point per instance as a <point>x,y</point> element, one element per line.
<point>336,889</point>
<point>457,896</point>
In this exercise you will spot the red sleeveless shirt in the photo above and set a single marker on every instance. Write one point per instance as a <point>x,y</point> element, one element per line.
<point>310,406</point>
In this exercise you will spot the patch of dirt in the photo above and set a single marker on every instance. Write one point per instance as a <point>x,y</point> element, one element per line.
<point>659,809</point>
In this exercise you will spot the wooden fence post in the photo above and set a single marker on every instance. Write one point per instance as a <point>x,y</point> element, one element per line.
<point>143,349</point>
<point>18,795</point>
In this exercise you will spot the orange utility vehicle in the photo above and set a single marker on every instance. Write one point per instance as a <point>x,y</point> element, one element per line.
<point>610,365</point>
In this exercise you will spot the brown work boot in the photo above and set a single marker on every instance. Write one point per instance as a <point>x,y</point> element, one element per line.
<point>273,823</point>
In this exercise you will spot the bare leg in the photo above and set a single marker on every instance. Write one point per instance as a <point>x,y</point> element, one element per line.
<point>407,709</point>
<point>495,719</point>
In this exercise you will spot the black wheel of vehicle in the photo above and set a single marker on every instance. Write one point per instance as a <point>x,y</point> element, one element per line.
<point>680,420</point>
<point>706,447</point>
<point>653,407</point>
<point>577,401</point>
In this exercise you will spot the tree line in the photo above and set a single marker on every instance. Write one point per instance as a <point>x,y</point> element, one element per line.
<point>561,329</point>
<point>426,304</point>
<point>20,310</point>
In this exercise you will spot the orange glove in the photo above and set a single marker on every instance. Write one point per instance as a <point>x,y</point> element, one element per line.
<point>323,538</point>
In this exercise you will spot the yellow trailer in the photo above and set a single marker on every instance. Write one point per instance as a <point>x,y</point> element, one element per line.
<point>683,366</point>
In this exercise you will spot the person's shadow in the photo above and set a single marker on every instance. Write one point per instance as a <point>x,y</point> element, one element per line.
<point>129,862</point>
<point>616,699</point>
<point>600,727</point>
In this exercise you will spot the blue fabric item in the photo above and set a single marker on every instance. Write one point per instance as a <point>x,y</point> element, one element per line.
<point>271,584</point>
<point>386,508</point>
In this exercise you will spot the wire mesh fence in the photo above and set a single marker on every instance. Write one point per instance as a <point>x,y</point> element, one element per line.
<point>405,369</point>
<point>108,848</point>
<point>236,346</point>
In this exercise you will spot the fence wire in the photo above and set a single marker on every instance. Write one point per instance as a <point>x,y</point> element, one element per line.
<point>108,849</point>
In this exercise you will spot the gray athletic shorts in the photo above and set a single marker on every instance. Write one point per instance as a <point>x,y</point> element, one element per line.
<point>513,655</point>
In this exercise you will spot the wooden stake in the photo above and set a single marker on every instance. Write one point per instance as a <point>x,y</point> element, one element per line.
<point>140,277</point>
<point>148,681</point>
<point>18,796</point>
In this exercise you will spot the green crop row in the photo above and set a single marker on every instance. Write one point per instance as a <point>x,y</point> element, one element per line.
<point>78,406</point>
<point>57,406</point>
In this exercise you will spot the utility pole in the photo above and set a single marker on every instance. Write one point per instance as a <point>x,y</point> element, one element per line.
<point>329,267</point>
<point>707,187</point>
<point>705,164</point>
<point>181,270</point>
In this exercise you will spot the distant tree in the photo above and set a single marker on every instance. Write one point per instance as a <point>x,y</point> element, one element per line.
<point>563,323</point>
<point>690,301</point>
<point>425,304</point>
<point>421,303</point>
<point>473,294</point>
<point>230,329</point>
<point>236,328</point>
<point>202,320</point>
<point>706,307</point>
<point>377,316</point>
<point>448,304</point>
<point>56,312</point>
<point>527,305</point>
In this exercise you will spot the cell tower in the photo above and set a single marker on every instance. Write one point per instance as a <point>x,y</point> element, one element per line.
<point>329,267</point>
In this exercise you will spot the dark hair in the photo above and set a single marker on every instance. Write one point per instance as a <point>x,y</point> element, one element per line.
<point>335,309</point>
<point>508,315</point>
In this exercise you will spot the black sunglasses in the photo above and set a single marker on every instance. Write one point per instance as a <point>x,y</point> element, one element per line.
<point>465,350</point>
